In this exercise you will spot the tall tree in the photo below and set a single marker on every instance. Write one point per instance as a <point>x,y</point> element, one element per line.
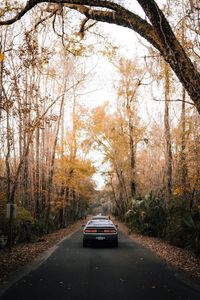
<point>183,160</point>
<point>168,148</point>
<point>131,76</point>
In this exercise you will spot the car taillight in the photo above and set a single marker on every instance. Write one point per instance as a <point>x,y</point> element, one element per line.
<point>90,230</point>
<point>109,230</point>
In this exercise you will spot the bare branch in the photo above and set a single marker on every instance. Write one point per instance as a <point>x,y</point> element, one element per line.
<point>30,4</point>
<point>46,18</point>
<point>121,17</point>
<point>83,28</point>
<point>175,100</point>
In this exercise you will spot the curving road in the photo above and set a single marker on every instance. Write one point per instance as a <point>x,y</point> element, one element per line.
<point>101,273</point>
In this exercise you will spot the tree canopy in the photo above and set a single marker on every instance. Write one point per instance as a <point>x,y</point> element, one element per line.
<point>155,28</point>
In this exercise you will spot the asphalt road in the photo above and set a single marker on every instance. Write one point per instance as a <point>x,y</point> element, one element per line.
<point>101,273</point>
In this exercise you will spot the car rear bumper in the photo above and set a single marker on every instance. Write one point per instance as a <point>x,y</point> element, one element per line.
<point>102,237</point>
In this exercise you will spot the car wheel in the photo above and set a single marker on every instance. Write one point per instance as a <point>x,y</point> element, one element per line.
<point>115,243</point>
<point>84,244</point>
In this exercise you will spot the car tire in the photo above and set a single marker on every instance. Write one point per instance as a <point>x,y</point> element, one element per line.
<point>115,243</point>
<point>84,244</point>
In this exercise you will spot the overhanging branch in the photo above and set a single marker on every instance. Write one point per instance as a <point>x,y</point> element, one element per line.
<point>121,17</point>
<point>115,14</point>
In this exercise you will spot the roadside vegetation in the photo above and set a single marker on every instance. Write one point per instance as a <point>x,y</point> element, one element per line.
<point>173,222</point>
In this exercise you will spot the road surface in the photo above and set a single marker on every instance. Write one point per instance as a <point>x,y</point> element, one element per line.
<point>101,273</point>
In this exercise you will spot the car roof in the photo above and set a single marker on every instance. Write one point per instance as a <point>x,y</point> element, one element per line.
<point>100,223</point>
<point>99,217</point>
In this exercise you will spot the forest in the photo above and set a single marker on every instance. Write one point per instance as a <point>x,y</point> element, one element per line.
<point>142,138</point>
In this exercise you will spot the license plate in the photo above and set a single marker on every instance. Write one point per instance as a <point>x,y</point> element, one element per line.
<point>100,238</point>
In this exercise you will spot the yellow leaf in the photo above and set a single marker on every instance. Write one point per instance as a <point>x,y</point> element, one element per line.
<point>1,57</point>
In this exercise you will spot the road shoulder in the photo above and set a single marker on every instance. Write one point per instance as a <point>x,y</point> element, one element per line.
<point>27,257</point>
<point>183,262</point>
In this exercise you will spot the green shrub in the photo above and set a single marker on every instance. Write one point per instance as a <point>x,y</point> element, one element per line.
<point>39,227</point>
<point>147,216</point>
<point>174,221</point>
<point>175,230</point>
<point>24,215</point>
<point>22,228</point>
<point>192,226</point>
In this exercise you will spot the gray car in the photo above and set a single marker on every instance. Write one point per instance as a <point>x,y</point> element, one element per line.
<point>100,230</point>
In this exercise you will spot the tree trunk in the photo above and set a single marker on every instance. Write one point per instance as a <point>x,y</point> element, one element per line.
<point>122,188</point>
<point>9,200</point>
<point>168,151</point>
<point>184,172</point>
<point>38,166</point>
<point>51,171</point>
<point>120,211</point>
<point>132,160</point>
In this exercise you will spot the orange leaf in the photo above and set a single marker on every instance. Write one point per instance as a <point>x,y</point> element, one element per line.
<point>1,57</point>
